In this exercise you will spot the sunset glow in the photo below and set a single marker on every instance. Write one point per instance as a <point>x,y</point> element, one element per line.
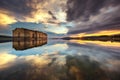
<point>100,33</point>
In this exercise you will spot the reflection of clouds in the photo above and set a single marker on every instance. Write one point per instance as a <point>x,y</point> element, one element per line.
<point>6,59</point>
<point>112,65</point>
<point>105,56</point>
<point>53,66</point>
<point>33,67</point>
<point>45,58</point>
<point>60,62</point>
<point>41,50</point>
<point>82,68</point>
<point>38,60</point>
<point>42,55</point>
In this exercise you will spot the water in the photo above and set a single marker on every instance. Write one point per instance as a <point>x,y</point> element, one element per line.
<point>60,60</point>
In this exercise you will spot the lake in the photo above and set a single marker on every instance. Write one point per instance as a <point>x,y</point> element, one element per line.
<point>60,60</point>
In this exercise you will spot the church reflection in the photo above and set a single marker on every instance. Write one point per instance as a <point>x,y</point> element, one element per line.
<point>23,45</point>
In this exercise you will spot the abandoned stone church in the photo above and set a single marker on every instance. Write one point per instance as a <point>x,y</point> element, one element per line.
<point>26,34</point>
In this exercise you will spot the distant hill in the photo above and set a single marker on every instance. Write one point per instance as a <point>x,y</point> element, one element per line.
<point>4,38</point>
<point>111,38</point>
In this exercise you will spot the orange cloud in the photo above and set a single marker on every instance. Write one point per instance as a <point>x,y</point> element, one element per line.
<point>38,16</point>
<point>107,32</point>
<point>39,12</point>
<point>99,33</point>
<point>41,9</point>
<point>6,19</point>
<point>6,59</point>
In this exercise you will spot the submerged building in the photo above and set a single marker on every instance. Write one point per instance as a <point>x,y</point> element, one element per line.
<point>25,38</point>
<point>26,34</point>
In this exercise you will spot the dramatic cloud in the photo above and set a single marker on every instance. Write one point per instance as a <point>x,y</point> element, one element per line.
<point>50,12</point>
<point>83,9</point>
<point>33,10</point>
<point>93,15</point>
<point>6,59</point>
<point>86,16</point>
<point>6,19</point>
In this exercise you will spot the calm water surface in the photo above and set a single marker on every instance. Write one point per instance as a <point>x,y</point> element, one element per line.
<point>60,60</point>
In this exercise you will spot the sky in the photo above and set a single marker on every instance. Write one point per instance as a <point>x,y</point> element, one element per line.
<point>60,17</point>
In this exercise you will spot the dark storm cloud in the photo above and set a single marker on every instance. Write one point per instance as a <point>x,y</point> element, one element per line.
<point>93,15</point>
<point>111,26</point>
<point>23,7</point>
<point>84,8</point>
